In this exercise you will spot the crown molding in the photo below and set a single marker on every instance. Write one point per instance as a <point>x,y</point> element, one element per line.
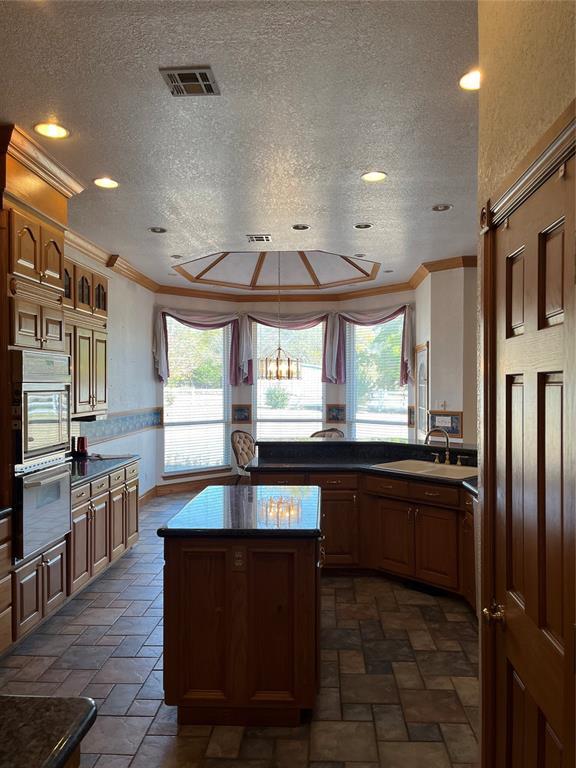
<point>17,144</point>
<point>425,269</point>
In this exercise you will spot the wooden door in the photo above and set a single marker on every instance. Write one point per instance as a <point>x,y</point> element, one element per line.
<point>80,546</point>
<point>25,246</point>
<point>100,532</point>
<point>52,256</point>
<point>53,329</point>
<point>131,512</point>
<point>528,256</point>
<point>100,370</point>
<point>118,527</point>
<point>28,597</point>
<point>26,324</point>
<point>396,535</point>
<point>100,287</point>
<point>340,527</point>
<point>436,546</point>
<point>54,563</point>
<point>467,558</point>
<point>83,361</point>
<point>83,297</point>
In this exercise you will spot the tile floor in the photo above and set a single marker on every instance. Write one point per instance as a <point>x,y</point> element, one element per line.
<point>399,676</point>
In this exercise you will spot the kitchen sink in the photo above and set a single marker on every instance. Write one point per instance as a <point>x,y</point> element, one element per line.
<point>415,467</point>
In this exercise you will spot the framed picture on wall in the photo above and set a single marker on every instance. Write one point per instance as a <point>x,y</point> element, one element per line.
<point>411,416</point>
<point>242,414</point>
<point>421,377</point>
<point>335,413</point>
<point>451,421</point>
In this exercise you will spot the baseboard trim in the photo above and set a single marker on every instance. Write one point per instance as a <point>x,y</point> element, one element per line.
<point>193,485</point>
<point>150,494</point>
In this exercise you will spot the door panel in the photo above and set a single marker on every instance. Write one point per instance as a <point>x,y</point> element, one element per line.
<point>26,324</point>
<point>396,536</point>
<point>28,597</point>
<point>100,535</point>
<point>340,527</point>
<point>53,337</point>
<point>80,547</point>
<point>52,257</point>
<point>117,522</point>
<point>25,247</point>
<point>83,370</point>
<point>83,299</point>
<point>55,587</point>
<point>534,480</point>
<point>100,369</point>
<point>131,513</point>
<point>436,546</point>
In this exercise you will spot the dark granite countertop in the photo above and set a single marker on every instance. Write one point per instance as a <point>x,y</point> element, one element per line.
<point>379,441</point>
<point>244,511</point>
<point>471,484</point>
<point>327,466</point>
<point>42,731</point>
<point>96,465</point>
<point>5,512</point>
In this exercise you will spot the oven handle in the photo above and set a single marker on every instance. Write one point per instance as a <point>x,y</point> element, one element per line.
<point>46,480</point>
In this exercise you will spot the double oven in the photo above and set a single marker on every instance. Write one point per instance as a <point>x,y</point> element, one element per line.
<point>41,391</point>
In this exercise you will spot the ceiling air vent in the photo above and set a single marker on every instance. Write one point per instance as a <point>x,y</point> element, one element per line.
<point>259,238</point>
<point>191,81</point>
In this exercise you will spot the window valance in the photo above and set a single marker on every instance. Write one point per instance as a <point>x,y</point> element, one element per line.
<point>241,348</point>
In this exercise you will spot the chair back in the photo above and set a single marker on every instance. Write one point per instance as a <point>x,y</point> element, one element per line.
<point>332,433</point>
<point>243,446</point>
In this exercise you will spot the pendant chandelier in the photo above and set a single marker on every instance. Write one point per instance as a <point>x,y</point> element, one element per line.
<point>279,365</point>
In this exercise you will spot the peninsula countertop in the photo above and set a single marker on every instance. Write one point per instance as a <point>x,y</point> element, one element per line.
<point>42,731</point>
<point>244,511</point>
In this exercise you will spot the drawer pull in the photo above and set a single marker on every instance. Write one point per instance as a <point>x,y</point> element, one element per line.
<point>431,493</point>
<point>80,495</point>
<point>387,487</point>
<point>333,482</point>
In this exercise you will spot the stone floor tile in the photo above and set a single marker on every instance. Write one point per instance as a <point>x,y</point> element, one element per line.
<point>343,741</point>
<point>35,669</point>
<point>424,732</point>
<point>143,708</point>
<point>88,761</point>
<point>473,715</point>
<point>257,749</point>
<point>398,620</point>
<point>97,690</point>
<point>119,699</point>
<point>407,675</point>
<point>461,742</point>
<point>438,682</point>
<point>389,722</point>
<point>412,754</point>
<point>329,677</point>
<point>91,635</point>
<point>388,650</point>
<point>351,662</point>
<point>371,629</point>
<point>291,753</point>
<point>369,689</point>
<point>359,712</point>
<point>341,639</point>
<point>133,625</point>
<point>129,646</point>
<point>83,657</point>
<point>116,735</point>
<point>75,682</point>
<point>165,721</point>
<point>356,611</point>
<point>28,688</point>
<point>468,690</point>
<point>99,616</point>
<point>124,671</point>
<point>432,707</point>
<point>54,675</point>
<point>327,706</point>
<point>225,741</point>
<point>45,645</point>
<point>169,752</point>
<point>153,688</point>
<point>113,761</point>
<point>421,640</point>
<point>453,663</point>
<point>413,597</point>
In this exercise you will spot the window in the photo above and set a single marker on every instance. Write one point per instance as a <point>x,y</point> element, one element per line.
<point>196,399</point>
<point>290,408</point>
<point>376,402</point>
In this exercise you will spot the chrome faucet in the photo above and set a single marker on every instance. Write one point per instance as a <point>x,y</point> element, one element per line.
<point>446,437</point>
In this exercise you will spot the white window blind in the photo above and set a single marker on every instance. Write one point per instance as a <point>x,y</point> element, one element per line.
<point>196,399</point>
<point>376,402</point>
<point>290,408</point>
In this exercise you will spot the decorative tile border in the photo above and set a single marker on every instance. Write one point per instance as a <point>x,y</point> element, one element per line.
<point>118,424</point>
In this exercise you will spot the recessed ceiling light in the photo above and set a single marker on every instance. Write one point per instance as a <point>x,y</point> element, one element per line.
<point>157,230</point>
<point>175,256</point>
<point>52,130</point>
<point>359,255</point>
<point>300,227</point>
<point>441,207</point>
<point>471,80</point>
<point>105,182</point>
<point>388,271</point>
<point>363,225</point>
<point>373,176</point>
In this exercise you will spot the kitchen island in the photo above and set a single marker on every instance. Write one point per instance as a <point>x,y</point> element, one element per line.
<point>241,605</point>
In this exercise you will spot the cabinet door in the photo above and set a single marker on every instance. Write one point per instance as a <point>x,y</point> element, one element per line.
<point>80,546</point>
<point>5,612</point>
<point>26,324</point>
<point>69,284</point>
<point>28,597</point>
<point>436,546</point>
<point>118,527</point>
<point>100,370</point>
<point>83,370</point>
<point>25,247</point>
<point>396,536</point>
<point>340,527</point>
<point>53,329</point>
<point>100,532</point>
<point>132,522</point>
<point>467,559</point>
<point>100,288</point>
<point>83,289</point>
<point>55,586</point>
<point>52,257</point>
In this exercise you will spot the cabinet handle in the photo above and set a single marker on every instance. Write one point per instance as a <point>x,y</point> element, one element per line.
<point>387,487</point>
<point>333,482</point>
<point>416,513</point>
<point>409,513</point>
<point>431,493</point>
<point>322,557</point>
<point>81,495</point>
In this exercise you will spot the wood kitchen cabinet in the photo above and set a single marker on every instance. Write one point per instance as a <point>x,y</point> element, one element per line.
<point>37,326</point>
<point>5,583</point>
<point>131,501</point>
<point>100,532</point>
<point>436,546</point>
<point>39,587</point>
<point>52,256</point>
<point>396,535</point>
<point>90,292</point>
<point>36,251</point>
<point>69,284</point>
<point>117,521</point>
<point>339,523</point>
<point>80,547</point>
<point>90,370</point>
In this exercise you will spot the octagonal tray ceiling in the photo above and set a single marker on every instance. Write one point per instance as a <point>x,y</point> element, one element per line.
<point>258,270</point>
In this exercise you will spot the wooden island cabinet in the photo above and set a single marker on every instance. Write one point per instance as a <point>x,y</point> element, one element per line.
<point>411,528</point>
<point>241,606</point>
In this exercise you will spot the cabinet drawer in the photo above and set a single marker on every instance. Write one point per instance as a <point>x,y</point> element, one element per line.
<point>6,529</point>
<point>5,593</point>
<point>80,495</point>
<point>281,478</point>
<point>435,494</point>
<point>5,557</point>
<point>334,481</point>
<point>117,477</point>
<point>386,486</point>
<point>131,471</point>
<point>100,485</point>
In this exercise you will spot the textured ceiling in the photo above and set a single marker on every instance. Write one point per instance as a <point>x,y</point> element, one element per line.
<point>313,95</point>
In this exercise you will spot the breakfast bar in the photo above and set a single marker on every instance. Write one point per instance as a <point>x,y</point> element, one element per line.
<point>241,605</point>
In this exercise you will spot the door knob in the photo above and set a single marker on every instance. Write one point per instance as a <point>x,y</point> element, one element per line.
<point>495,614</point>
